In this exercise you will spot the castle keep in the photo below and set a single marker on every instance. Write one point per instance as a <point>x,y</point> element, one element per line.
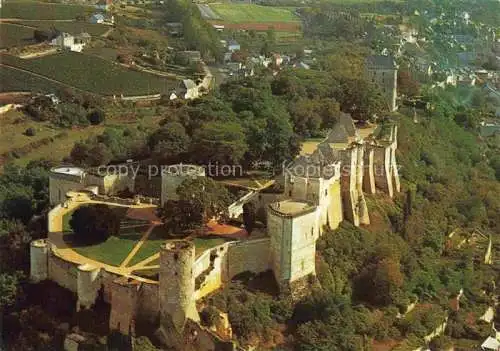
<point>383,71</point>
<point>321,189</point>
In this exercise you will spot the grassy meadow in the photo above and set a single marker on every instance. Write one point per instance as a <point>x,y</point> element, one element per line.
<point>241,13</point>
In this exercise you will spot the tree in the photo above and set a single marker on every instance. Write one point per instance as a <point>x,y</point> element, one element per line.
<point>217,142</point>
<point>384,277</point>
<point>99,155</point>
<point>205,194</point>
<point>8,290</point>
<point>93,224</point>
<point>407,85</point>
<point>249,217</point>
<point>96,117</point>
<point>169,143</point>
<point>179,216</point>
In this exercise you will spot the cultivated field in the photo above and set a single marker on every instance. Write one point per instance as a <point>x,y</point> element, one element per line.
<point>15,80</point>
<point>72,27</point>
<point>88,73</point>
<point>43,11</point>
<point>15,35</point>
<point>243,13</point>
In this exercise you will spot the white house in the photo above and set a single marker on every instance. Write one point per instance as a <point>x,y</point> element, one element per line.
<point>490,344</point>
<point>187,90</point>
<point>233,45</point>
<point>66,41</point>
<point>97,18</point>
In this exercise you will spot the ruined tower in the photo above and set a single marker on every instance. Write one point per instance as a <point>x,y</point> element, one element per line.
<point>177,284</point>
<point>39,255</point>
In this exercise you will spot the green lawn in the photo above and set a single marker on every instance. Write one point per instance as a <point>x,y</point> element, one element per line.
<point>240,13</point>
<point>113,251</point>
<point>13,35</point>
<point>43,11</point>
<point>76,27</point>
<point>89,73</point>
<point>152,246</point>
<point>116,248</point>
<point>13,126</point>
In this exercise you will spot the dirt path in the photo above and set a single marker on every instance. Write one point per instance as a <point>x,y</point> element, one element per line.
<point>137,247</point>
<point>108,32</point>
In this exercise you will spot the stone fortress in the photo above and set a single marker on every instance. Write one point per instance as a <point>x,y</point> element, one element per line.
<point>321,189</point>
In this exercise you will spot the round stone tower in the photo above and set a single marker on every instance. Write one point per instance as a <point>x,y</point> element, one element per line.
<point>177,284</point>
<point>39,260</point>
<point>87,285</point>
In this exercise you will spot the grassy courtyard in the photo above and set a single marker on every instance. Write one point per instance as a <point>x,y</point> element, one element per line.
<point>240,13</point>
<point>116,248</point>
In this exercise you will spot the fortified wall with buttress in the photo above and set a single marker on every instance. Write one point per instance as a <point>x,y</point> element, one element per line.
<point>320,190</point>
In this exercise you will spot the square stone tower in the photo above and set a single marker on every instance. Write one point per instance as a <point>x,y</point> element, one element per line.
<point>383,71</point>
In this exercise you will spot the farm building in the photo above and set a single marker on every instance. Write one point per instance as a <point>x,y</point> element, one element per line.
<point>97,18</point>
<point>187,89</point>
<point>233,45</point>
<point>66,41</point>
<point>101,18</point>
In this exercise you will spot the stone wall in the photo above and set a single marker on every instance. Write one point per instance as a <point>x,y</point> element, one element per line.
<point>60,185</point>
<point>210,270</point>
<point>251,255</point>
<point>148,303</point>
<point>63,273</point>
<point>123,307</point>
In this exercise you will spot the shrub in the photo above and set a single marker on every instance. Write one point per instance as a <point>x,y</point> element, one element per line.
<point>30,132</point>
<point>96,117</point>
<point>209,316</point>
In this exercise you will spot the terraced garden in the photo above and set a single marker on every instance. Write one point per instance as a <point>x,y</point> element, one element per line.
<point>85,72</point>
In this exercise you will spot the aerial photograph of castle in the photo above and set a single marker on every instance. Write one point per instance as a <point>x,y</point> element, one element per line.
<point>249,175</point>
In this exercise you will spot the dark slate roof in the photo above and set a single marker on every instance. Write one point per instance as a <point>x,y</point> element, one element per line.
<point>342,130</point>
<point>381,61</point>
<point>319,164</point>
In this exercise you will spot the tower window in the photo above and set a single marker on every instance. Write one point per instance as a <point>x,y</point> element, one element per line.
<point>290,193</point>
<point>302,265</point>
<point>326,192</point>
